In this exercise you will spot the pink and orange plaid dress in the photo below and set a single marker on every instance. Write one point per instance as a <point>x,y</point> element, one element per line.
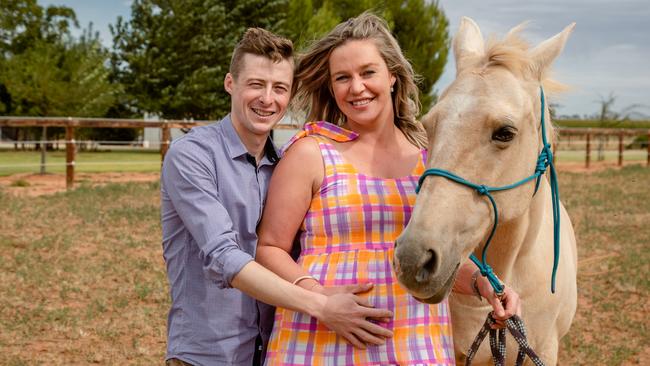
<point>347,237</point>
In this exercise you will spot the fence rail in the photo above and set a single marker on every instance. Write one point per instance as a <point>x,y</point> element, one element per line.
<point>620,133</point>
<point>70,124</point>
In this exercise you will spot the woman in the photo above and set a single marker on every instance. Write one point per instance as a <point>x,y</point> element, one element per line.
<point>346,189</point>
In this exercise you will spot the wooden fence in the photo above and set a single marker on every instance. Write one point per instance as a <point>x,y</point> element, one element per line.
<point>71,124</point>
<point>590,133</point>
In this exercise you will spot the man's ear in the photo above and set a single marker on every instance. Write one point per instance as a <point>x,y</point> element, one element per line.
<point>227,83</point>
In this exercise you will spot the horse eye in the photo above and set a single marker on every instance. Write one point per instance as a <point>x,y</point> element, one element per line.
<point>504,134</point>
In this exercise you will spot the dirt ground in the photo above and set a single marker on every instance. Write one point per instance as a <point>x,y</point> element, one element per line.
<point>30,184</point>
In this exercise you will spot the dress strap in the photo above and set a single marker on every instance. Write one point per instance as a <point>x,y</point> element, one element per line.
<point>322,129</point>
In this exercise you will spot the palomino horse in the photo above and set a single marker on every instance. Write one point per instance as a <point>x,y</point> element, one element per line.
<point>486,129</point>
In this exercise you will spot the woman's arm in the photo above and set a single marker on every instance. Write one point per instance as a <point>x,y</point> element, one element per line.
<point>298,175</point>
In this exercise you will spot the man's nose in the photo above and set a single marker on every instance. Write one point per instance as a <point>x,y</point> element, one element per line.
<point>266,96</point>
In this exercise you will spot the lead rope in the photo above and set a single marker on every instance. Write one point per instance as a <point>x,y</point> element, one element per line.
<point>498,342</point>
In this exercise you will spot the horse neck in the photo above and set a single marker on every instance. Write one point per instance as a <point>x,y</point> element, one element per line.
<point>516,238</point>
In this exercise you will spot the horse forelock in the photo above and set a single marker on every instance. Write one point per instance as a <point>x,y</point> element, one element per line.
<point>512,52</point>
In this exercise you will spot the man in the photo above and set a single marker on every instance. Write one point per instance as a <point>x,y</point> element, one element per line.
<point>214,183</point>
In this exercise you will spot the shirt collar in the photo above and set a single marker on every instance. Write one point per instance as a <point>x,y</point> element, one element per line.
<point>236,147</point>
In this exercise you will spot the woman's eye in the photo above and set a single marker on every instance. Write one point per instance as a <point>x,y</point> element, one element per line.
<point>504,134</point>
<point>341,78</point>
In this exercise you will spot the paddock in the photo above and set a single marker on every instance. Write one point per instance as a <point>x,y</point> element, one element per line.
<point>83,280</point>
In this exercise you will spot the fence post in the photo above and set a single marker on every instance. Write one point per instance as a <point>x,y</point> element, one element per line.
<point>43,149</point>
<point>648,144</point>
<point>620,148</point>
<point>588,152</point>
<point>164,143</point>
<point>69,156</point>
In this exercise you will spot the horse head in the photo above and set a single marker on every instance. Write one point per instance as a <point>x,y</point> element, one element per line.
<point>485,128</point>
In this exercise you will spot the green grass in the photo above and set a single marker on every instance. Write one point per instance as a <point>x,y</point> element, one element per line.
<point>82,279</point>
<point>610,156</point>
<point>579,123</point>
<point>12,162</point>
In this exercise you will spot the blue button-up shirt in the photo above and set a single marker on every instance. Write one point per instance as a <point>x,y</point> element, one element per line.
<point>212,196</point>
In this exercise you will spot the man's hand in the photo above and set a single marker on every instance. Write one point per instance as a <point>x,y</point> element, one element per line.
<point>352,317</point>
<point>349,289</point>
<point>508,305</point>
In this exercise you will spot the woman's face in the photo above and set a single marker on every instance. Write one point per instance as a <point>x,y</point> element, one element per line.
<point>361,82</point>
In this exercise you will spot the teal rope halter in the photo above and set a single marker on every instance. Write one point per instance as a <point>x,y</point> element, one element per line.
<point>544,160</point>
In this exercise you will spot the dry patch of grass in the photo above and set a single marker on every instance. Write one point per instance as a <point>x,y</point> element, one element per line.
<point>82,277</point>
<point>610,211</point>
<point>82,280</point>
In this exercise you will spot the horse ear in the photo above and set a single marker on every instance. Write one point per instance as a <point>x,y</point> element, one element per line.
<point>468,44</point>
<point>545,53</point>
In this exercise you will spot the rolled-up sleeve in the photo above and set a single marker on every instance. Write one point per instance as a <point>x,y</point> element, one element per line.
<point>189,178</point>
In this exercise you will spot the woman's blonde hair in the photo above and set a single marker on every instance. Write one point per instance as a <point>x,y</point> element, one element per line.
<point>312,85</point>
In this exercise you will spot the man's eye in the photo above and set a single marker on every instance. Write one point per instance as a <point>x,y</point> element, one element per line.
<point>504,134</point>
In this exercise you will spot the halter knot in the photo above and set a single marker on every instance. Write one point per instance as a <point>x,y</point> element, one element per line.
<point>486,271</point>
<point>482,190</point>
<point>545,158</point>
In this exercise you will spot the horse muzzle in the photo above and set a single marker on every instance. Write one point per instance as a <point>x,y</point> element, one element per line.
<point>423,272</point>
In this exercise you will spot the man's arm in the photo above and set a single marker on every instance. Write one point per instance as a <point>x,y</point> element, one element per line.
<point>345,314</point>
<point>189,180</point>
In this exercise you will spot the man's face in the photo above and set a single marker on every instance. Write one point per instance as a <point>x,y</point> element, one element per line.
<point>260,93</point>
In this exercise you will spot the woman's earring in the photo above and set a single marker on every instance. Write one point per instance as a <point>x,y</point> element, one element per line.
<point>392,89</point>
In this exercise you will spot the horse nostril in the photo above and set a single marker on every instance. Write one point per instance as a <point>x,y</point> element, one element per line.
<point>429,266</point>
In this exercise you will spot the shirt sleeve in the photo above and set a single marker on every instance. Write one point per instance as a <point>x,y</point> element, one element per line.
<point>190,179</point>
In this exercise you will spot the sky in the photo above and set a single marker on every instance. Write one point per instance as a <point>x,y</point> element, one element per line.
<point>607,53</point>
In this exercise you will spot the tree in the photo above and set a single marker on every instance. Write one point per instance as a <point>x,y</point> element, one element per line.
<point>172,56</point>
<point>419,26</point>
<point>609,118</point>
<point>60,79</point>
<point>23,22</point>
<point>44,71</point>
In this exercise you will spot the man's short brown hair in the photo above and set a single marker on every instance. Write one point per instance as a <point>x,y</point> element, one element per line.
<point>258,41</point>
